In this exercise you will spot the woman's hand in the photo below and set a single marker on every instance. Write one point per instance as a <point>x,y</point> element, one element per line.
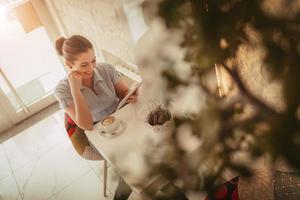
<point>133,98</point>
<point>75,79</point>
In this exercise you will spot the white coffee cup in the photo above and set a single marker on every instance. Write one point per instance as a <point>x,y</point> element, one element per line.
<point>109,124</point>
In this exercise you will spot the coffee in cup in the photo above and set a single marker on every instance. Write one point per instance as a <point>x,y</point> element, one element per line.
<point>109,124</point>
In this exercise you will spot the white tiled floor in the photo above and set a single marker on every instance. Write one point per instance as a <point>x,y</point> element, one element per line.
<point>40,163</point>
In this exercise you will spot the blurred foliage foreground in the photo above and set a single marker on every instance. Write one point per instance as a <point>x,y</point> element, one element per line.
<point>218,34</point>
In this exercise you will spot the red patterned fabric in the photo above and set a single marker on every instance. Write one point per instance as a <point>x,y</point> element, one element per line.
<point>80,141</point>
<point>227,191</point>
<point>69,125</point>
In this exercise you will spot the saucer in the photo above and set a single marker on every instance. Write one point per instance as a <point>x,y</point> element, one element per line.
<point>115,132</point>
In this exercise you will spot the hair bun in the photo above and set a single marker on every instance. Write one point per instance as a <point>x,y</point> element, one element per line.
<point>59,45</point>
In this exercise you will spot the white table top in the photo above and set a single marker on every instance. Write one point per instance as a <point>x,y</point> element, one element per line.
<point>126,152</point>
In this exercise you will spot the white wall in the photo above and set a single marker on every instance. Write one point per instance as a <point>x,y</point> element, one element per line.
<point>101,21</point>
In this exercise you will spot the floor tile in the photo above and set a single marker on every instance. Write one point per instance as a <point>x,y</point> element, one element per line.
<point>50,172</point>
<point>9,189</point>
<point>86,187</point>
<point>34,141</point>
<point>29,122</point>
<point>4,166</point>
<point>112,176</point>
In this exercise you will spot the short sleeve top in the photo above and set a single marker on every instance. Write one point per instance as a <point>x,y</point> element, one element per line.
<point>101,103</point>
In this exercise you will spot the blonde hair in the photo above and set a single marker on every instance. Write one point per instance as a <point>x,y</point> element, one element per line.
<point>74,45</point>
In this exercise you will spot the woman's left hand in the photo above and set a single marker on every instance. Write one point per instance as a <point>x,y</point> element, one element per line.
<point>133,98</point>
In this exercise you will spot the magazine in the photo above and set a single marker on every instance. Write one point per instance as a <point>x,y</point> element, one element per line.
<point>132,90</point>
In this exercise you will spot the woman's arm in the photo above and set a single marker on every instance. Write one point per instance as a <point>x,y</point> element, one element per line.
<point>79,111</point>
<point>122,89</point>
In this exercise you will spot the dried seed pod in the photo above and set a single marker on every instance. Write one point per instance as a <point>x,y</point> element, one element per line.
<point>158,116</point>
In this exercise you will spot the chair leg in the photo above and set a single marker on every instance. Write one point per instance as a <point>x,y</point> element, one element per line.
<point>105,178</point>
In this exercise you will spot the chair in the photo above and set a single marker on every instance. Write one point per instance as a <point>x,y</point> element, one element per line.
<point>83,147</point>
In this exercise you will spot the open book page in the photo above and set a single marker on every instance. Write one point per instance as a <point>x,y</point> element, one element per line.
<point>132,90</point>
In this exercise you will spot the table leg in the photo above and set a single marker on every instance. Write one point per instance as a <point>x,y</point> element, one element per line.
<point>105,178</point>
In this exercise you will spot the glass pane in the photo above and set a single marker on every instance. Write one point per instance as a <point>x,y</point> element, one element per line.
<point>28,60</point>
<point>135,18</point>
<point>9,94</point>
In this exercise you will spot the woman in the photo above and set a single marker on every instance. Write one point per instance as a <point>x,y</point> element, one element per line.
<point>91,91</point>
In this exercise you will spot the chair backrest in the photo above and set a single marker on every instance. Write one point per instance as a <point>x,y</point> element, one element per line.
<point>76,135</point>
<point>80,141</point>
<point>70,125</point>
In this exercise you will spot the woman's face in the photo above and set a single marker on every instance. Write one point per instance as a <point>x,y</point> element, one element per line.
<point>84,63</point>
